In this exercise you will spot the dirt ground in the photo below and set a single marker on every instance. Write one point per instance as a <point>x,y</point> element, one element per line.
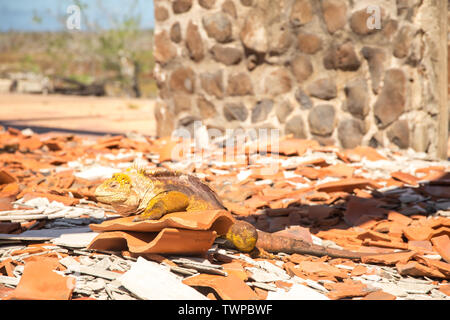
<point>81,115</point>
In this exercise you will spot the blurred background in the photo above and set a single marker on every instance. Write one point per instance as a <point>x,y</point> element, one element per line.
<point>56,59</point>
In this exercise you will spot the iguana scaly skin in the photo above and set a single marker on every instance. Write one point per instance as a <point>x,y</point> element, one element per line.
<point>151,194</point>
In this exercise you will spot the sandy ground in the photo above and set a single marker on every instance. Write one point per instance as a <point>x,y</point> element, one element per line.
<point>83,115</point>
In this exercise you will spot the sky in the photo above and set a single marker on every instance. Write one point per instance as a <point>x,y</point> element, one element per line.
<point>17,15</point>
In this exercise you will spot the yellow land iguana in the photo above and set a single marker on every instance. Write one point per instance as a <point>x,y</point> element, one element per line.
<point>150,194</point>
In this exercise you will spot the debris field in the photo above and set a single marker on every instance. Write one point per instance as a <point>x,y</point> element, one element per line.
<point>58,242</point>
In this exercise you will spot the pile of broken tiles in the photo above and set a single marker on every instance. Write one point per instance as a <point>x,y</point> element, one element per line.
<point>57,242</point>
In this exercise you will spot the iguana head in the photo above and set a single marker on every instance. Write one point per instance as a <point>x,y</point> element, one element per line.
<point>118,192</point>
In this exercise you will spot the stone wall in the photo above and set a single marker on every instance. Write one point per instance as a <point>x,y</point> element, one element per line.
<point>322,70</point>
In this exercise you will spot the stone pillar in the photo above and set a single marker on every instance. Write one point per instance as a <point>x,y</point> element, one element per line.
<point>342,72</point>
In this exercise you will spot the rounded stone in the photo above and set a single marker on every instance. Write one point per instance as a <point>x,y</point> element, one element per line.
<point>182,80</point>
<point>212,83</point>
<point>181,6</point>
<point>229,8</point>
<point>322,120</point>
<point>350,133</point>
<point>253,33</point>
<point>335,14</point>
<point>227,55</point>
<point>324,89</point>
<point>342,57</point>
<point>376,59</point>
<point>277,82</point>
<point>207,4</point>
<point>283,110</point>
<point>161,13</point>
<point>175,32</point>
<point>309,43</point>
<point>303,99</point>
<point>206,107</point>
<point>301,13</point>
<point>218,26</point>
<point>402,42</point>
<point>357,98</point>
<point>181,102</point>
<point>296,127</point>
<point>239,84</point>
<point>391,101</point>
<point>247,3</point>
<point>280,38</point>
<point>235,111</point>
<point>301,67</point>
<point>261,110</point>
<point>398,134</point>
<point>164,51</point>
<point>194,42</point>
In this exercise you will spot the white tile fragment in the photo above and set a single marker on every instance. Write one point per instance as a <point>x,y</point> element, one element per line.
<point>297,292</point>
<point>151,281</point>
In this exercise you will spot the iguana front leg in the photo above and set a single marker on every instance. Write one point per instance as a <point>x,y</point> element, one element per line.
<point>164,203</point>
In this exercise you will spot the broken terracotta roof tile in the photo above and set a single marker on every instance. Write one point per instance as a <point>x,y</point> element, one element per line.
<point>321,269</point>
<point>40,282</point>
<point>445,289</point>
<point>415,269</point>
<point>358,153</point>
<point>398,217</point>
<point>228,288</point>
<point>347,185</point>
<point>359,270</point>
<point>348,289</point>
<point>216,220</point>
<point>68,201</point>
<point>6,177</point>
<point>420,246</point>
<point>418,233</point>
<point>379,295</point>
<point>389,258</point>
<point>405,177</point>
<point>236,269</point>
<point>9,227</point>
<point>167,241</point>
<point>356,207</point>
<point>296,232</point>
<point>442,246</point>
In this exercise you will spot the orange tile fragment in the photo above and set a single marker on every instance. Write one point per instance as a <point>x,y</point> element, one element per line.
<point>347,185</point>
<point>349,289</point>
<point>216,220</point>
<point>321,269</point>
<point>389,258</point>
<point>418,233</point>
<point>228,288</point>
<point>6,177</point>
<point>379,295</point>
<point>445,289</point>
<point>405,177</point>
<point>415,269</point>
<point>40,282</point>
<point>51,197</point>
<point>167,241</point>
<point>359,270</point>
<point>398,217</point>
<point>358,153</point>
<point>236,269</point>
<point>442,246</point>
